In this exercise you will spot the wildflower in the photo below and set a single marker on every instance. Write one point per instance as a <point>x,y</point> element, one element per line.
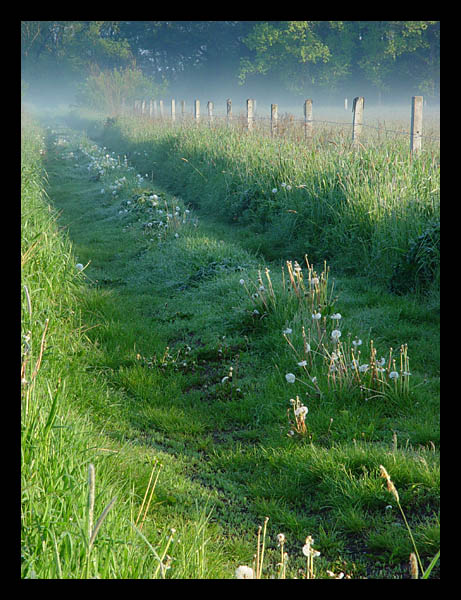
<point>363,368</point>
<point>307,548</point>
<point>338,576</point>
<point>356,342</point>
<point>303,363</point>
<point>287,331</point>
<point>393,375</point>
<point>315,281</point>
<point>301,411</point>
<point>290,377</point>
<point>274,190</point>
<point>335,334</point>
<point>281,538</point>
<point>288,187</point>
<point>244,572</point>
<point>79,267</point>
<point>317,316</point>
<point>242,282</point>
<point>336,316</point>
<point>176,235</point>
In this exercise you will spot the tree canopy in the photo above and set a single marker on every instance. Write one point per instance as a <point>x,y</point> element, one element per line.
<point>296,56</point>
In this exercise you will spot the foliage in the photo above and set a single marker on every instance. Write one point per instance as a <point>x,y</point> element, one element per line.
<point>289,55</point>
<point>306,53</point>
<point>64,51</point>
<point>106,90</point>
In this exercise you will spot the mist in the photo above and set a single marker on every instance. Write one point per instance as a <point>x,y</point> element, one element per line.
<point>220,60</point>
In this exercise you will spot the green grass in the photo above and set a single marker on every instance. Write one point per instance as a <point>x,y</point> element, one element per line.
<point>142,341</point>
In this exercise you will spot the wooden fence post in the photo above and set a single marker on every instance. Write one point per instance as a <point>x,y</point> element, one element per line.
<point>250,114</point>
<point>308,129</point>
<point>173,110</point>
<point>197,110</point>
<point>357,109</point>
<point>229,110</point>
<point>274,119</point>
<point>416,124</point>
<point>210,112</point>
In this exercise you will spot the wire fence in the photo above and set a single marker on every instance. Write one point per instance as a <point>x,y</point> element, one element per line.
<point>286,125</point>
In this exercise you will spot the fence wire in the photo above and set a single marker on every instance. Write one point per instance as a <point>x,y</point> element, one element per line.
<point>285,120</point>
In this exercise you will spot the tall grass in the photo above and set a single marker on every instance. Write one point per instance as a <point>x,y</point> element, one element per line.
<point>360,210</point>
<point>209,384</point>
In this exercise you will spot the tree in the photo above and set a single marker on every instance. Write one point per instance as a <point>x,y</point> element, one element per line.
<point>60,53</point>
<point>301,54</point>
<point>290,51</point>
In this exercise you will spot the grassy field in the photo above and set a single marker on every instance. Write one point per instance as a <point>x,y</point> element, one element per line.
<point>168,343</point>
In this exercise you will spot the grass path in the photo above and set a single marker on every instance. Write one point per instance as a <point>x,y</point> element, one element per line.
<point>168,323</point>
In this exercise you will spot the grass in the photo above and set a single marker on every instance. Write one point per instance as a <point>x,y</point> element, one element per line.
<point>162,360</point>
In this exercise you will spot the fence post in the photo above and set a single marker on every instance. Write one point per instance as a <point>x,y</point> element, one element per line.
<point>229,110</point>
<point>250,114</point>
<point>197,110</point>
<point>173,110</point>
<point>308,129</point>
<point>357,109</point>
<point>274,119</point>
<point>416,124</point>
<point>210,112</point>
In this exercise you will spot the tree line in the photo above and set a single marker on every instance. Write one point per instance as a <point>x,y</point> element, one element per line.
<point>295,56</point>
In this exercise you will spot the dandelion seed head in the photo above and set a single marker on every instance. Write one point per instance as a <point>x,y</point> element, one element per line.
<point>244,572</point>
